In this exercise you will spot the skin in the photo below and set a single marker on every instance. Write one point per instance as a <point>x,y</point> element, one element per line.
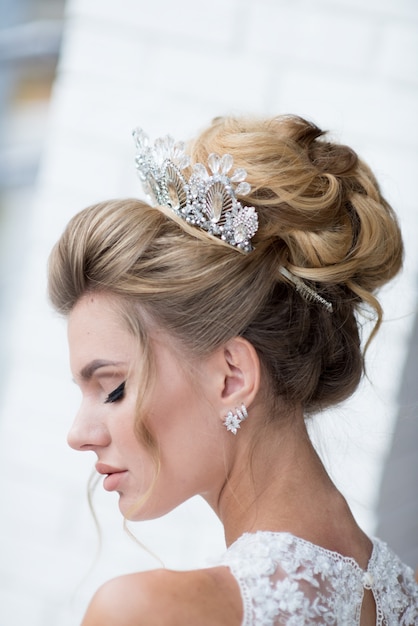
<point>197,453</point>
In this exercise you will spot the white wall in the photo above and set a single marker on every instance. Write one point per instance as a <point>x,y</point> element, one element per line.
<point>351,66</point>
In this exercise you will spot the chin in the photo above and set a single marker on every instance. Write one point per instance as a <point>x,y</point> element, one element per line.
<point>133,511</point>
<point>144,509</point>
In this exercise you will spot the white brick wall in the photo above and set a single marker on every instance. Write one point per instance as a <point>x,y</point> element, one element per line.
<point>350,65</point>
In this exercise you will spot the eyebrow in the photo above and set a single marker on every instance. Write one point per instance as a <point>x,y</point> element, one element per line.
<point>88,370</point>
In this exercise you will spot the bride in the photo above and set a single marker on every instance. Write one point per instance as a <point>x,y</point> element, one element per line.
<point>205,328</point>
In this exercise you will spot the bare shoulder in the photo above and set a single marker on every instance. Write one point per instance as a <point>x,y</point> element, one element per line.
<point>167,598</point>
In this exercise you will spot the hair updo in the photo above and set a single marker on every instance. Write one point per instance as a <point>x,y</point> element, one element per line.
<point>321,215</point>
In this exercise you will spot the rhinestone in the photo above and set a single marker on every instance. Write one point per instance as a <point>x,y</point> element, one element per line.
<point>200,170</point>
<point>226,163</point>
<point>243,189</point>
<point>240,234</point>
<point>217,206</point>
<point>214,161</point>
<point>239,175</point>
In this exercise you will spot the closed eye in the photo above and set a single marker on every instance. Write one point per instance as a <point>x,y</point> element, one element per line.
<point>116,394</point>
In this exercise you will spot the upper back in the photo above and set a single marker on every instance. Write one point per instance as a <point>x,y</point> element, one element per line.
<point>287,580</point>
<point>276,579</point>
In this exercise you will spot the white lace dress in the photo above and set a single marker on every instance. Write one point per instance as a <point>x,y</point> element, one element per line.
<point>286,580</point>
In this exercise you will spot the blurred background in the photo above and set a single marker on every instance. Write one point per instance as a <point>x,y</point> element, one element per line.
<point>75,78</point>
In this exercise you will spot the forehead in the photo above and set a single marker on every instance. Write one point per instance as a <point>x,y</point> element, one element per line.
<point>94,311</point>
<point>96,330</point>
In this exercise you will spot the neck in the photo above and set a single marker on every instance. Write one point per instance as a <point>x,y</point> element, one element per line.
<point>283,488</point>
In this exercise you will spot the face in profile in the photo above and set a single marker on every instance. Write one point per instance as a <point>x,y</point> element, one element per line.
<point>105,361</point>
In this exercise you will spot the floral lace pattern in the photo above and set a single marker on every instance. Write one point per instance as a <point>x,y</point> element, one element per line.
<point>286,580</point>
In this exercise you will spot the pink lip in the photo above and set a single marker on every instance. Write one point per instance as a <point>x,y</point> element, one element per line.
<point>102,468</point>
<point>113,476</point>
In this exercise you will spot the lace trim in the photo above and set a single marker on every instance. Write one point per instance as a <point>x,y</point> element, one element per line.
<point>287,580</point>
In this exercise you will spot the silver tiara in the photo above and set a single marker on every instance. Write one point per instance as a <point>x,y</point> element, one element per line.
<point>206,200</point>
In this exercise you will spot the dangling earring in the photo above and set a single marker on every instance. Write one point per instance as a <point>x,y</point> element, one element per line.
<point>233,420</point>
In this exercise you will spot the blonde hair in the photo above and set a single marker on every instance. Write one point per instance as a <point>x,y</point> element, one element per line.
<point>321,214</point>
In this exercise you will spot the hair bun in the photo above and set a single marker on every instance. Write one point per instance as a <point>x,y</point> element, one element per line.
<point>319,205</point>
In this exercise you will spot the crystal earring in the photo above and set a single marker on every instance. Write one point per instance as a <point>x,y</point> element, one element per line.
<point>233,420</point>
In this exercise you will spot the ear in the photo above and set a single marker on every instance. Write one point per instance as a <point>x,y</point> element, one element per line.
<point>240,367</point>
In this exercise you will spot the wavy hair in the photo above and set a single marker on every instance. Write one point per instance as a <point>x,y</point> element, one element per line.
<point>321,214</point>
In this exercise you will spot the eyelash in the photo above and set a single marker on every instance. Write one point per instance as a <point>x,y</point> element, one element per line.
<point>116,394</point>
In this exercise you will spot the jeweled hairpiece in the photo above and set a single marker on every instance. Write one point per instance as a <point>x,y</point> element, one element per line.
<point>305,291</point>
<point>207,200</point>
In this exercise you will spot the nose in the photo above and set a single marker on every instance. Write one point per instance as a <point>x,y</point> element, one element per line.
<point>88,431</point>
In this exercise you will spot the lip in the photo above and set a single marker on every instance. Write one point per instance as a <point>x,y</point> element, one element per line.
<point>113,475</point>
<point>102,468</point>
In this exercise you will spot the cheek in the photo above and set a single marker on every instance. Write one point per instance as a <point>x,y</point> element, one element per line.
<point>173,413</point>
<point>187,437</point>
<point>138,458</point>
<point>122,426</point>
<point>182,422</point>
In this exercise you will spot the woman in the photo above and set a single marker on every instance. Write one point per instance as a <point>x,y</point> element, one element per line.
<point>203,332</point>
